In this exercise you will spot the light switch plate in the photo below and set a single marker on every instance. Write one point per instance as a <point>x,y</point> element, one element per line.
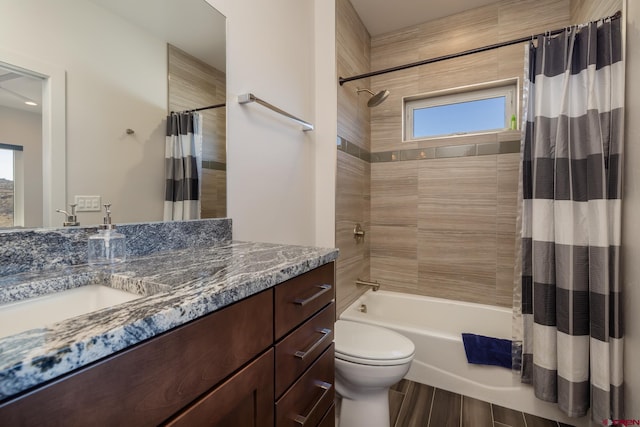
<point>88,204</point>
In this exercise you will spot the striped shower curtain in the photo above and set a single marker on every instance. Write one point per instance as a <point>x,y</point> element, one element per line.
<point>571,214</point>
<point>183,155</point>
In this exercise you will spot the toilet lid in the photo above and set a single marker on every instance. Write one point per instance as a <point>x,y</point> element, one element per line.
<point>371,345</point>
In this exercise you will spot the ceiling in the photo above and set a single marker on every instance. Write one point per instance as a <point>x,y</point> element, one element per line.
<point>168,21</point>
<point>383,16</point>
<point>379,16</point>
<point>16,88</point>
<point>171,20</point>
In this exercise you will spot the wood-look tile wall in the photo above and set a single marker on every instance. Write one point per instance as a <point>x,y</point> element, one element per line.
<point>214,194</point>
<point>194,84</point>
<point>447,227</point>
<point>353,174</point>
<point>588,10</point>
<point>440,227</point>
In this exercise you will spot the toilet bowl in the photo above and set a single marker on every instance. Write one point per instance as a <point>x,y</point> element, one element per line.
<point>369,359</point>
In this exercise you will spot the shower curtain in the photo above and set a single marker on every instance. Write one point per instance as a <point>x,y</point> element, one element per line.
<point>183,155</point>
<point>570,295</point>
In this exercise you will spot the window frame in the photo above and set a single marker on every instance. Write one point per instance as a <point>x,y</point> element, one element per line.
<point>18,183</point>
<point>507,88</point>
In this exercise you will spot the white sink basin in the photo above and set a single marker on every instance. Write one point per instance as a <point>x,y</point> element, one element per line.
<point>38,312</point>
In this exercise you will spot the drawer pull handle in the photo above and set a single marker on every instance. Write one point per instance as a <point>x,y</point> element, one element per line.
<point>323,288</point>
<point>302,419</point>
<point>325,333</point>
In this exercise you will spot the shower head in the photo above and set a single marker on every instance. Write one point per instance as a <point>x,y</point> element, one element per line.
<point>376,98</point>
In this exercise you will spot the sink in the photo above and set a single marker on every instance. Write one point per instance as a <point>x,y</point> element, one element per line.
<point>40,311</point>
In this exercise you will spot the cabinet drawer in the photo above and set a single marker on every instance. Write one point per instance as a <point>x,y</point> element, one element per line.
<point>246,399</point>
<point>329,419</point>
<point>299,349</point>
<point>306,402</point>
<point>298,298</point>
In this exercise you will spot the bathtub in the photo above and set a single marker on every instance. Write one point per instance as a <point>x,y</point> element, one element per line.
<point>435,326</point>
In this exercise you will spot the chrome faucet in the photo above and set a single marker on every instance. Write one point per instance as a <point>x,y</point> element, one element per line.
<point>374,285</point>
<point>71,219</point>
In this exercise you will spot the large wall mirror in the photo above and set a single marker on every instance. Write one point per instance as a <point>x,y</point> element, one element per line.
<point>104,75</point>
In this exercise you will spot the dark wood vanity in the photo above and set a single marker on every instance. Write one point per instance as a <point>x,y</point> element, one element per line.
<point>267,360</point>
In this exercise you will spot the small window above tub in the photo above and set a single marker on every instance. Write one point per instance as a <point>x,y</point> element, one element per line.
<point>483,108</point>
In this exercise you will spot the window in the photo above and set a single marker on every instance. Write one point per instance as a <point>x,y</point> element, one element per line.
<point>9,162</point>
<point>460,112</point>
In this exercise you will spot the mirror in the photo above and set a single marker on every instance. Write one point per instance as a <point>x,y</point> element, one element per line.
<point>110,72</point>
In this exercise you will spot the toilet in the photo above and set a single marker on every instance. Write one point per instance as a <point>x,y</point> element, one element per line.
<point>369,359</point>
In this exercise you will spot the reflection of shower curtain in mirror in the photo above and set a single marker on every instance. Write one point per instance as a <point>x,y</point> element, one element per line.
<point>183,155</point>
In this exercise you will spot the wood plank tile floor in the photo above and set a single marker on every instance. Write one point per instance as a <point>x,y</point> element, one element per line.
<point>417,405</point>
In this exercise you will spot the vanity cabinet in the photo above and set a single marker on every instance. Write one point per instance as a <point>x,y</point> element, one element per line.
<point>304,369</point>
<point>263,361</point>
<point>149,382</point>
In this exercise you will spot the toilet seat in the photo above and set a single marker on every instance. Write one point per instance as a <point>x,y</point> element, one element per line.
<point>371,345</point>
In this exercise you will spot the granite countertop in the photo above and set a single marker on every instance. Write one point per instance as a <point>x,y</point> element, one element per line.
<point>178,286</point>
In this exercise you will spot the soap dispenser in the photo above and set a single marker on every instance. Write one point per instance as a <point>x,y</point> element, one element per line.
<point>107,246</point>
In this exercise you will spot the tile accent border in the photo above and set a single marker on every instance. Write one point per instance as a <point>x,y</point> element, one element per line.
<point>430,153</point>
<point>353,149</point>
<point>213,165</point>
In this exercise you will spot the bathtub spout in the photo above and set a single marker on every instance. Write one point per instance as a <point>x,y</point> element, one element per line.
<point>374,285</point>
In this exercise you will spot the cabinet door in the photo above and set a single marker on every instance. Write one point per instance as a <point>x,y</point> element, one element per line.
<point>150,382</point>
<point>245,399</point>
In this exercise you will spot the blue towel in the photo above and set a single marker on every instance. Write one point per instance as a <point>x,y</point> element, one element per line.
<point>486,350</point>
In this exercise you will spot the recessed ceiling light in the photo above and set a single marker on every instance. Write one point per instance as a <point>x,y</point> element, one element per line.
<point>24,99</point>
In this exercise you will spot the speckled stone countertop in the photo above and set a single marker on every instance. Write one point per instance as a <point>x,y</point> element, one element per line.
<point>179,286</point>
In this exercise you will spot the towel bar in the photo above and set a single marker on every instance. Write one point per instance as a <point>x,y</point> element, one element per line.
<point>246,98</point>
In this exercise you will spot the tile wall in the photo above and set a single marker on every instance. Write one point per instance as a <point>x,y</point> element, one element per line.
<point>588,10</point>
<point>194,84</point>
<point>353,168</point>
<point>440,214</point>
<point>445,225</point>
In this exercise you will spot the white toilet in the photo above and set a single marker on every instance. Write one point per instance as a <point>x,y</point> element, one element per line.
<point>369,359</point>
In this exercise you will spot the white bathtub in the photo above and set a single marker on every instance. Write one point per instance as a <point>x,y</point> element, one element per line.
<point>435,326</point>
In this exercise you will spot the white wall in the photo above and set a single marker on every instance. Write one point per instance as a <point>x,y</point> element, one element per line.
<point>18,127</point>
<point>281,181</point>
<point>631,208</point>
<point>116,79</point>
<point>326,113</point>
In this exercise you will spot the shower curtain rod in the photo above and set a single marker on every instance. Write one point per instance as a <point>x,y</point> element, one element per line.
<point>201,108</point>
<point>344,80</point>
